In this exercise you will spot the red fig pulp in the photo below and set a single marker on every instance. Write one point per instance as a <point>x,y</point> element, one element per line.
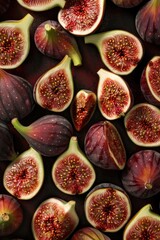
<point>41,5</point>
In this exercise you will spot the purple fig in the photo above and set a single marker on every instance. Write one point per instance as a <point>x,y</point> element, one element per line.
<point>126,3</point>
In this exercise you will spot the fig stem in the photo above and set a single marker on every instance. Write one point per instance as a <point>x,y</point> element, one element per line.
<point>18,126</point>
<point>70,205</point>
<point>26,21</point>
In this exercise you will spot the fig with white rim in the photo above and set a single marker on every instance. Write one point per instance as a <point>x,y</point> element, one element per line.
<point>39,5</point>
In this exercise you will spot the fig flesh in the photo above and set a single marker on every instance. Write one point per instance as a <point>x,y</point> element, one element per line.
<point>141,177</point>
<point>81,17</point>
<point>119,50</point>
<point>16,97</point>
<point>150,81</point>
<point>114,95</point>
<point>15,41</point>
<point>127,3</point>
<point>54,89</point>
<point>11,215</point>
<point>82,108</point>
<point>104,147</point>
<point>24,176</point>
<point>144,225</point>
<point>142,125</point>
<point>88,233</point>
<point>54,219</point>
<point>48,135</point>
<point>107,207</point>
<point>72,173</point>
<point>41,5</point>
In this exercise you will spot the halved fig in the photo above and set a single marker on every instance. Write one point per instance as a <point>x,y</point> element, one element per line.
<point>150,81</point>
<point>126,3</point>
<point>104,147</point>
<point>81,17</point>
<point>142,125</point>
<point>89,233</point>
<point>82,108</point>
<point>141,176</point>
<point>14,41</point>
<point>144,225</point>
<point>41,5</point>
<point>54,41</point>
<point>54,219</point>
<point>16,97</point>
<point>54,89</point>
<point>48,135</point>
<point>120,51</point>
<point>24,176</point>
<point>107,207</point>
<point>11,215</point>
<point>4,4</point>
<point>114,95</point>
<point>72,173</point>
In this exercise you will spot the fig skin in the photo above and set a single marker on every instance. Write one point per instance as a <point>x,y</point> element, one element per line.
<point>104,147</point>
<point>88,233</point>
<point>48,135</point>
<point>127,3</point>
<point>42,6</point>
<point>141,176</point>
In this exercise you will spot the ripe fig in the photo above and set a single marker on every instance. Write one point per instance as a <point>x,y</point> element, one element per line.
<point>4,4</point>
<point>16,97</point>
<point>41,5</point>
<point>88,233</point>
<point>11,215</point>
<point>144,225</point>
<point>114,95</point>
<point>120,50</point>
<point>54,219</point>
<point>127,3</point>
<point>82,108</point>
<point>54,89</point>
<point>72,173</point>
<point>48,135</point>
<point>142,125</point>
<point>24,176</point>
<point>14,41</point>
<point>54,41</point>
<point>107,207</point>
<point>104,147</point>
<point>141,177</point>
<point>147,22</point>
<point>81,17</point>
<point>150,81</point>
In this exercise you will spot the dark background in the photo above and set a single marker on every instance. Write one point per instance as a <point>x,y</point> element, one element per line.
<point>85,77</point>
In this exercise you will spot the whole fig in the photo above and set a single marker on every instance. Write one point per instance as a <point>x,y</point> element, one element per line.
<point>126,3</point>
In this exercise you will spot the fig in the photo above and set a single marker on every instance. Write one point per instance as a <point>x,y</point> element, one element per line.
<point>82,108</point>
<point>114,95</point>
<point>120,51</point>
<point>4,4</point>
<point>7,150</point>
<point>49,135</point>
<point>142,124</point>
<point>104,147</point>
<point>144,225</point>
<point>81,17</point>
<point>141,176</point>
<point>150,81</point>
<point>24,176</point>
<point>54,219</point>
<point>88,233</point>
<point>41,5</point>
<point>54,89</point>
<point>15,41</point>
<point>11,215</point>
<point>54,41</point>
<point>107,207</point>
<point>127,3</point>
<point>16,97</point>
<point>72,173</point>
<point>147,22</point>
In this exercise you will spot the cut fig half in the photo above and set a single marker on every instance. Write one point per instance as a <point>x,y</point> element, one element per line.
<point>24,176</point>
<point>114,95</point>
<point>14,41</point>
<point>142,124</point>
<point>107,207</point>
<point>41,5</point>
<point>144,225</point>
<point>81,17</point>
<point>54,89</point>
<point>72,173</point>
<point>120,51</point>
